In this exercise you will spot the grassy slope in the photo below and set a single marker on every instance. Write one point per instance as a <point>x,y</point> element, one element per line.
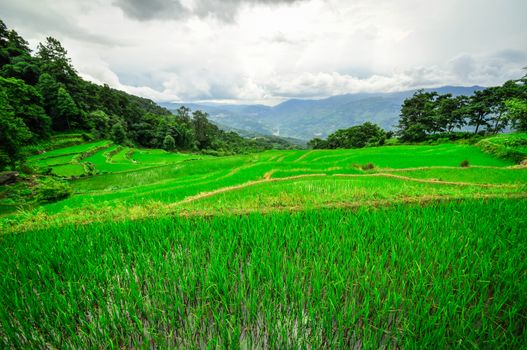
<point>150,182</point>
<point>507,146</point>
<point>442,275</point>
<point>105,158</point>
<point>402,276</point>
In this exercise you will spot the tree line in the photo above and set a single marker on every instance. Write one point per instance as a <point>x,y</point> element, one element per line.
<point>430,116</point>
<point>487,111</point>
<point>41,94</point>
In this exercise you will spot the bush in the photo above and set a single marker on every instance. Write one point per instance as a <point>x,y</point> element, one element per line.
<point>367,134</point>
<point>368,166</point>
<point>501,148</point>
<point>118,134</point>
<point>169,143</point>
<point>26,169</point>
<point>52,190</point>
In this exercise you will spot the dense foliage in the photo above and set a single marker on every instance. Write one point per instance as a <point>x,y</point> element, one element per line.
<point>487,111</point>
<point>367,134</point>
<point>42,93</point>
<point>430,116</point>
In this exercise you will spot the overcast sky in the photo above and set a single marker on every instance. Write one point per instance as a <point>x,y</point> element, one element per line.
<point>265,51</point>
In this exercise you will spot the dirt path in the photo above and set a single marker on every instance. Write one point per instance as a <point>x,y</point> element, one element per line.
<point>511,167</point>
<point>267,175</point>
<point>158,209</point>
<point>429,181</point>
<point>374,203</point>
<point>303,156</point>
<point>241,167</point>
<point>241,186</point>
<point>267,179</point>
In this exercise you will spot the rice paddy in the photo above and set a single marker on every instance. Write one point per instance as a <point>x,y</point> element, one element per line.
<point>102,157</point>
<point>390,247</point>
<point>401,276</point>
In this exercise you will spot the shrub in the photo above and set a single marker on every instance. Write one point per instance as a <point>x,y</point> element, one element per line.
<point>118,134</point>
<point>368,166</point>
<point>52,190</point>
<point>26,169</point>
<point>502,149</point>
<point>169,143</point>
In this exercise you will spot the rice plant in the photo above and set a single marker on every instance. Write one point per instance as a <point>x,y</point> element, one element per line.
<point>439,276</point>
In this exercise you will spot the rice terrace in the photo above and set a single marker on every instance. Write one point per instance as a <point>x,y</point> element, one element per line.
<point>278,248</point>
<point>394,219</point>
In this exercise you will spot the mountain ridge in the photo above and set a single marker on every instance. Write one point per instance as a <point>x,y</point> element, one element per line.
<point>307,118</point>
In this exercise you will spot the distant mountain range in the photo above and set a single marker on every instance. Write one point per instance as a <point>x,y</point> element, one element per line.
<point>305,119</point>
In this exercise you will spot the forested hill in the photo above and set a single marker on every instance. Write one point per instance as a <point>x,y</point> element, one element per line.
<point>41,93</point>
<point>305,119</point>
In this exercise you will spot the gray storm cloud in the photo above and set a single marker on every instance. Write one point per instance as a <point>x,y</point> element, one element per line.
<point>225,10</point>
<point>153,9</point>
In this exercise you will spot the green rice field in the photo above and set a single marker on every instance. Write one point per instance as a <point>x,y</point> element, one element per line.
<point>386,247</point>
<point>398,277</point>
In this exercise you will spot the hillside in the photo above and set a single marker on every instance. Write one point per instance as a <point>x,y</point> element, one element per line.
<point>305,119</point>
<point>42,95</point>
<point>139,179</point>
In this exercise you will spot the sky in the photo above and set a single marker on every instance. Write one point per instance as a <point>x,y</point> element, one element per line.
<point>267,51</point>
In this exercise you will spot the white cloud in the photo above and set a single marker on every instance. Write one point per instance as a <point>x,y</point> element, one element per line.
<point>268,50</point>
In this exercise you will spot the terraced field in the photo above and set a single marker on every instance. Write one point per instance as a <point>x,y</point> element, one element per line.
<point>102,157</point>
<point>391,247</point>
<point>130,182</point>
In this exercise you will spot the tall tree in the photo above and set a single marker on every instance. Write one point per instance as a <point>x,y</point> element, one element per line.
<point>517,113</point>
<point>15,57</point>
<point>183,135</point>
<point>4,35</point>
<point>27,105</point>
<point>13,134</point>
<point>22,68</point>
<point>205,132</point>
<point>317,143</point>
<point>53,59</point>
<point>67,111</point>
<point>478,110</point>
<point>449,113</point>
<point>118,133</point>
<point>417,116</point>
<point>49,88</point>
<point>98,123</point>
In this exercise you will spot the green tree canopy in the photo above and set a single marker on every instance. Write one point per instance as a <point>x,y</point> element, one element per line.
<point>317,143</point>
<point>118,133</point>
<point>169,143</point>
<point>356,137</point>
<point>367,134</point>
<point>417,116</point>
<point>49,88</point>
<point>517,113</point>
<point>27,105</point>
<point>204,131</point>
<point>13,134</point>
<point>53,59</point>
<point>67,111</point>
<point>449,113</point>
